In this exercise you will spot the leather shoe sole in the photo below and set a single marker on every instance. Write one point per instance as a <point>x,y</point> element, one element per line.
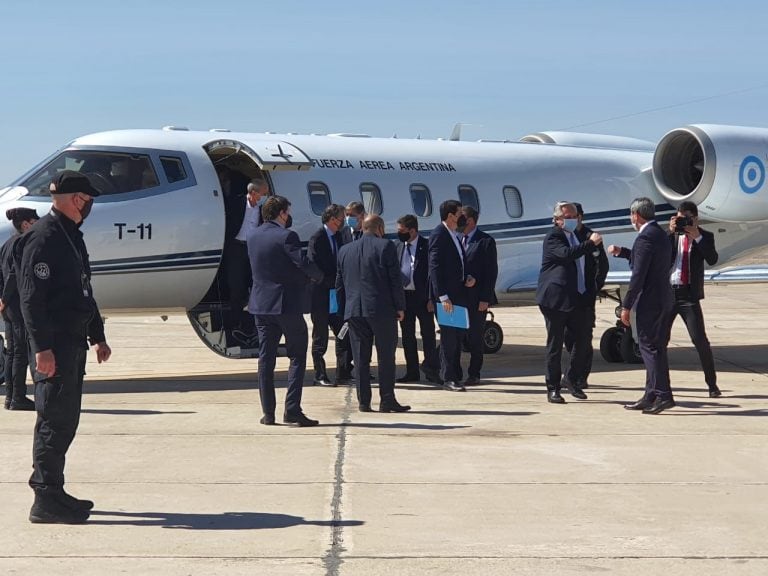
<point>394,408</point>
<point>641,404</point>
<point>555,399</point>
<point>659,406</point>
<point>301,421</point>
<point>578,394</point>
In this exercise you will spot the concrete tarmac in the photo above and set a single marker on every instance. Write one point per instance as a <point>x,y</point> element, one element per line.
<point>493,481</point>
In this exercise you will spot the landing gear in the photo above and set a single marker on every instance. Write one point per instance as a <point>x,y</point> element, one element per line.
<point>617,343</point>
<point>610,344</point>
<point>493,337</point>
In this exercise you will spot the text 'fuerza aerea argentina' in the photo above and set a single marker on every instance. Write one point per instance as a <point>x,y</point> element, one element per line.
<point>384,165</point>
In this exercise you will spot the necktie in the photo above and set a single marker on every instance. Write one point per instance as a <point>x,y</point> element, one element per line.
<point>334,248</point>
<point>406,265</point>
<point>580,283</point>
<point>464,241</point>
<point>684,264</point>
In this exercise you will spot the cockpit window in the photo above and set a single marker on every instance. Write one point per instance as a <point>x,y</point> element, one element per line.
<point>109,172</point>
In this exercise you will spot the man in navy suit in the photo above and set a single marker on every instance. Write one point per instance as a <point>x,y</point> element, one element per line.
<point>561,286</point>
<point>482,264</point>
<point>279,298</point>
<point>353,229</point>
<point>368,275</point>
<point>413,255</point>
<point>691,247</point>
<point>649,298</point>
<point>323,249</point>
<point>449,281</point>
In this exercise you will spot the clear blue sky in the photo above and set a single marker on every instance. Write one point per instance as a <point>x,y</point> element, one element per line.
<point>405,67</point>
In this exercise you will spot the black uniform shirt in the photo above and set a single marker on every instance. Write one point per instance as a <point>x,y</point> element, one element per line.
<point>8,288</point>
<point>55,284</point>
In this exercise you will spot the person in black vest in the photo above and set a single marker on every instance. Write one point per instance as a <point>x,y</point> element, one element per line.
<point>413,255</point>
<point>323,249</point>
<point>61,316</point>
<point>692,246</point>
<point>482,264</point>
<point>595,272</point>
<point>369,276</point>
<point>560,293</point>
<point>17,360</point>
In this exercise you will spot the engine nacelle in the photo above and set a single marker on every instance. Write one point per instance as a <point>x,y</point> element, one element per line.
<point>719,168</point>
<point>589,140</point>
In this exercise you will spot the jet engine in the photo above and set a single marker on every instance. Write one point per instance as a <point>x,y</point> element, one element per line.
<point>719,168</point>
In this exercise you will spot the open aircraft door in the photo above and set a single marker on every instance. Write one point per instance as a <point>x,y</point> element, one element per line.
<point>213,320</point>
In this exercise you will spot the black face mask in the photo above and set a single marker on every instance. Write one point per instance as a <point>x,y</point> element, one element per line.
<point>403,236</point>
<point>288,221</point>
<point>461,222</point>
<point>86,209</point>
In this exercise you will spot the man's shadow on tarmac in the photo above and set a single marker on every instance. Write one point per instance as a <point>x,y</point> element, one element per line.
<point>224,521</point>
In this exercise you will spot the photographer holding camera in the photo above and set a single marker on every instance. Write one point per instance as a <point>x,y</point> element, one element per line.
<point>691,247</point>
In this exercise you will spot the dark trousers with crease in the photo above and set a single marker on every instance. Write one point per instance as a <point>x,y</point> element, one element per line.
<point>690,311</point>
<point>450,352</point>
<point>474,339</point>
<point>17,359</point>
<point>364,333</point>
<point>416,308</point>
<point>589,352</point>
<point>57,401</point>
<point>652,338</point>
<point>321,321</point>
<point>557,322</point>
<point>270,328</point>
<point>237,271</point>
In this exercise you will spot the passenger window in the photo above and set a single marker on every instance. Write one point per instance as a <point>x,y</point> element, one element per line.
<point>421,199</point>
<point>468,196</point>
<point>173,168</point>
<point>371,197</point>
<point>513,201</point>
<point>319,197</point>
<point>109,172</point>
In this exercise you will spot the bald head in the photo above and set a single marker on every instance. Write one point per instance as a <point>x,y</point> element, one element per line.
<point>374,224</point>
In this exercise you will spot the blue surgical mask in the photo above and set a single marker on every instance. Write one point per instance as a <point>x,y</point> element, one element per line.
<point>351,221</point>
<point>260,201</point>
<point>570,224</point>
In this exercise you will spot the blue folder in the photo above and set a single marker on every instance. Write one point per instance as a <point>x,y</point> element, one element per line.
<point>459,318</point>
<point>333,302</point>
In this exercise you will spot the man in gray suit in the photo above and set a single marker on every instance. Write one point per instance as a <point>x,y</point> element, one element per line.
<point>368,276</point>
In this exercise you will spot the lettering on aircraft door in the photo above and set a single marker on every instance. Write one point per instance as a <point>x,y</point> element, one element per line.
<point>140,231</point>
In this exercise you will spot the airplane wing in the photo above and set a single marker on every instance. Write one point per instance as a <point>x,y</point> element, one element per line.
<point>755,273</point>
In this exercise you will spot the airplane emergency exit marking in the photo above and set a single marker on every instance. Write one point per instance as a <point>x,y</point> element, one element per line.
<point>142,231</point>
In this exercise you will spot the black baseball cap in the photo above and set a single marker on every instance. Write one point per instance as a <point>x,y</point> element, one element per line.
<point>71,182</point>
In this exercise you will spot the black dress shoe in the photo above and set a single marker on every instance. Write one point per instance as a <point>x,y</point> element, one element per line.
<point>299,420</point>
<point>453,386</point>
<point>472,381</point>
<point>393,406</point>
<point>715,392</point>
<point>22,403</point>
<point>323,382</point>
<point>408,378</point>
<point>554,397</point>
<point>659,405</point>
<point>50,509</point>
<point>268,420</point>
<point>75,503</point>
<point>641,404</point>
<point>578,393</point>
<point>364,408</point>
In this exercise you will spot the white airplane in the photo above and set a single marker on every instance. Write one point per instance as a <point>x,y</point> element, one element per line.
<point>155,235</point>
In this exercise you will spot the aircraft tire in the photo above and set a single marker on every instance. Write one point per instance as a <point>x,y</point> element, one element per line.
<point>630,352</point>
<point>493,337</point>
<point>610,345</point>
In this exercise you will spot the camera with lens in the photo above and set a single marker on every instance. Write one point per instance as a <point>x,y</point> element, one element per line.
<point>682,222</point>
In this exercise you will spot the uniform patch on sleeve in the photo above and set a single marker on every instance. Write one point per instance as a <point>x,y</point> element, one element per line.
<point>42,271</point>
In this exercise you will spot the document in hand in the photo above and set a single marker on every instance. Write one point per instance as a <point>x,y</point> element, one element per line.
<point>459,318</point>
<point>333,302</point>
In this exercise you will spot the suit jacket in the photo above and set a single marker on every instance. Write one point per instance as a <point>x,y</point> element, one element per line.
<point>348,235</point>
<point>595,264</point>
<point>281,275</point>
<point>420,267</point>
<point>320,252</point>
<point>368,278</point>
<point>701,251</point>
<point>558,286</point>
<point>446,268</point>
<point>649,286</point>
<point>482,264</point>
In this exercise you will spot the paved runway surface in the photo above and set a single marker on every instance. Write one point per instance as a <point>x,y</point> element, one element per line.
<point>492,481</point>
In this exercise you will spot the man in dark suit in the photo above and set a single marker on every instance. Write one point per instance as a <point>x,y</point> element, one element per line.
<point>368,275</point>
<point>323,249</point>
<point>649,298</point>
<point>353,229</point>
<point>691,247</point>
<point>595,272</point>
<point>561,288</point>
<point>413,255</point>
<point>449,281</point>
<point>279,298</point>
<point>482,264</point>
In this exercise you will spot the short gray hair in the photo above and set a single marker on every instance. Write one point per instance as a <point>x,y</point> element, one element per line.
<point>560,208</point>
<point>255,184</point>
<point>643,207</point>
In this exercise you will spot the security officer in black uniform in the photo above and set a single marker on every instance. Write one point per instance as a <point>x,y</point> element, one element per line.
<point>61,316</point>
<point>17,360</point>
